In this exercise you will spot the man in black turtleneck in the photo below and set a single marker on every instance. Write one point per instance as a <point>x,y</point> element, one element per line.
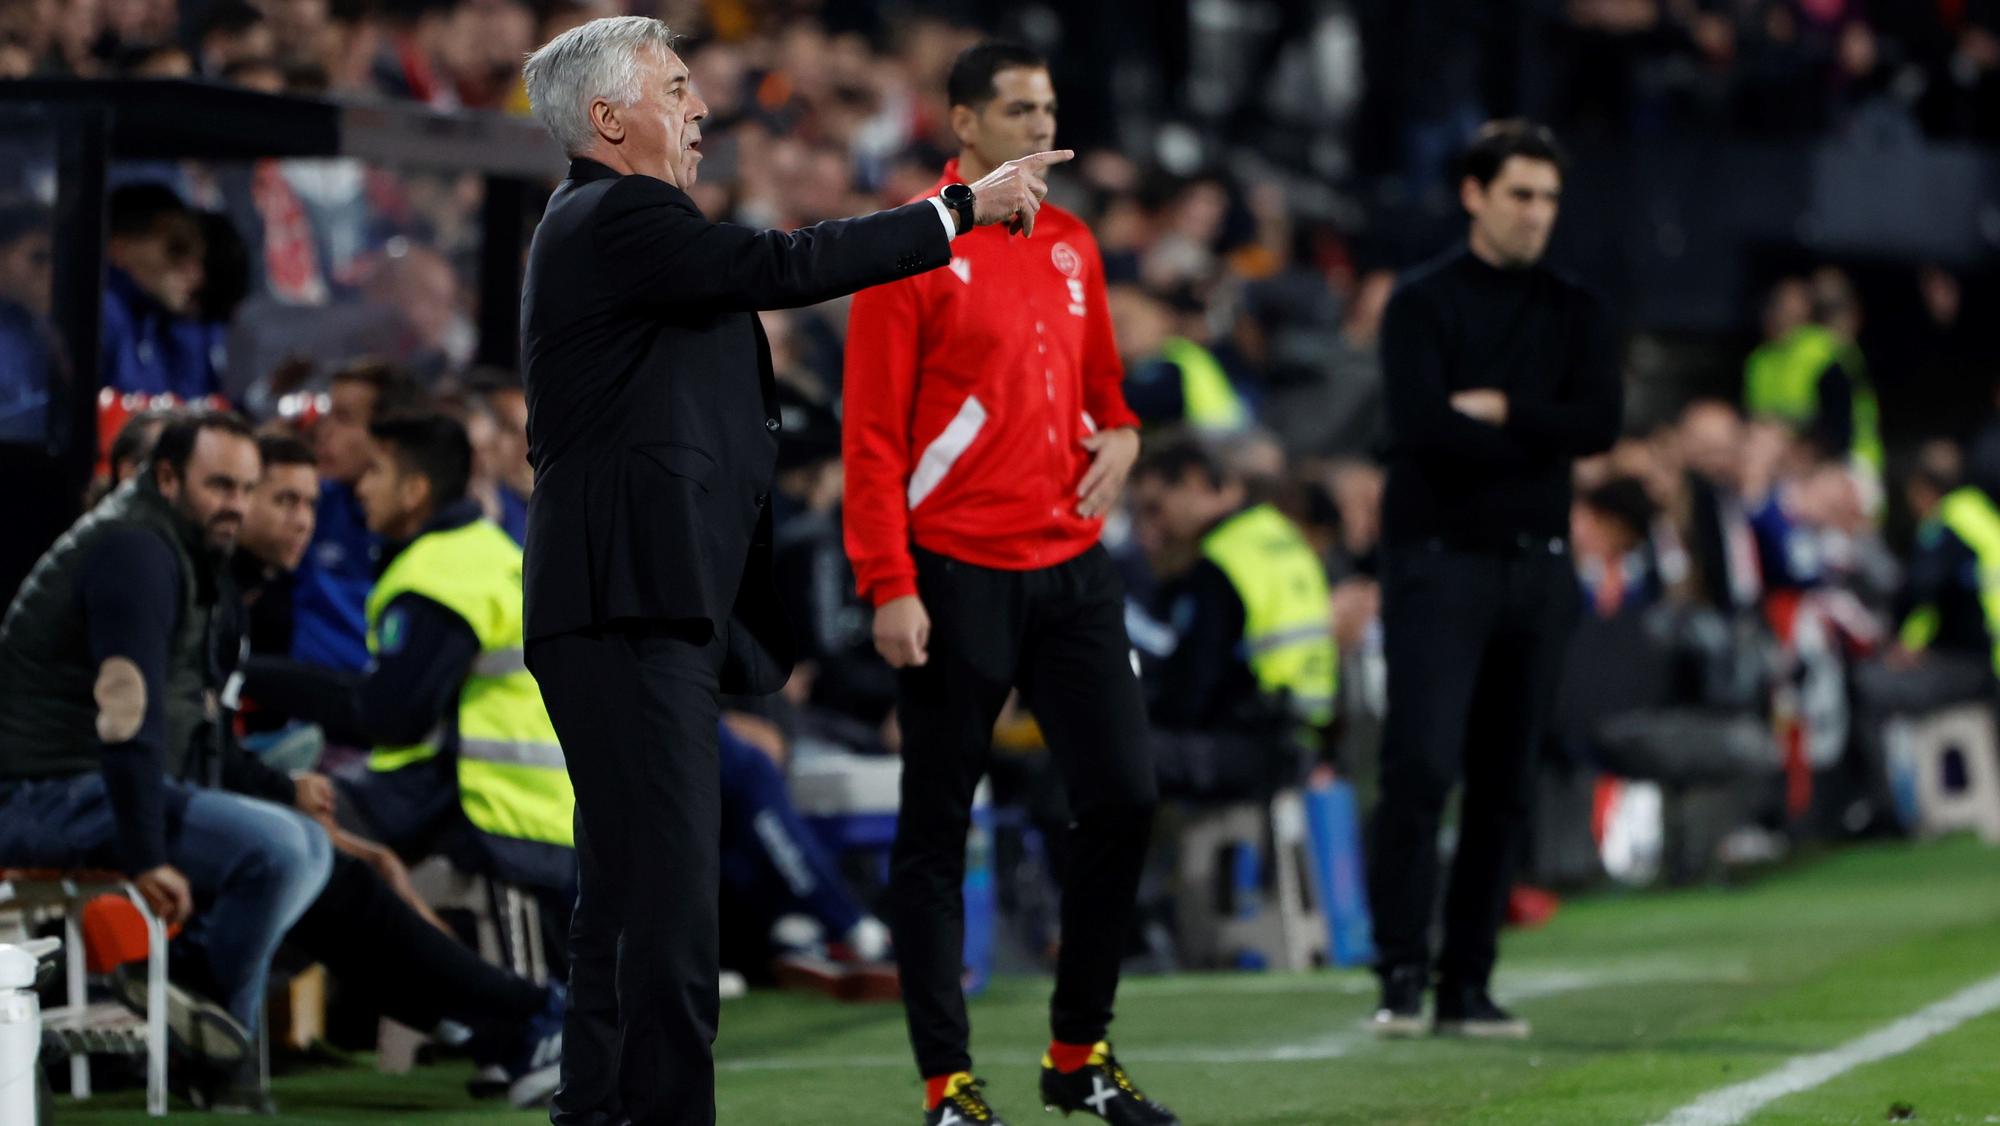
<point>1499,373</point>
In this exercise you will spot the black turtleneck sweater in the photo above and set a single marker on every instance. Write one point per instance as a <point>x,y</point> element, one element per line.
<point>1459,324</point>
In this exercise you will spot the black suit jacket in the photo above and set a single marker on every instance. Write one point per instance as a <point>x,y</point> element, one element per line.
<point>652,413</point>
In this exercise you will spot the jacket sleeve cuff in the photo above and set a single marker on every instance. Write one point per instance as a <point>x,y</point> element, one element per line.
<point>945,217</point>
<point>1119,417</point>
<point>889,590</point>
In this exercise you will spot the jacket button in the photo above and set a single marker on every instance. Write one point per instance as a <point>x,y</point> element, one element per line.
<point>763,499</point>
<point>771,424</point>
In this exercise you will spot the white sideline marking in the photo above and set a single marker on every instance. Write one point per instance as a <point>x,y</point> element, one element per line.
<point>1727,1106</point>
<point>1514,988</point>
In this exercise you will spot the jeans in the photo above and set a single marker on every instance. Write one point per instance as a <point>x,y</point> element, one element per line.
<point>772,863</point>
<point>253,866</point>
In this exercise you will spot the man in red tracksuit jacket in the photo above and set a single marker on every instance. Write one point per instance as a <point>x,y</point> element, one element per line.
<point>985,437</point>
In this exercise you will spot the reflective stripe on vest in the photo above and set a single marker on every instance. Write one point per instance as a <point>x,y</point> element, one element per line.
<point>1781,380</point>
<point>1287,609</point>
<point>511,776</point>
<point>1971,516</point>
<point>1208,400</point>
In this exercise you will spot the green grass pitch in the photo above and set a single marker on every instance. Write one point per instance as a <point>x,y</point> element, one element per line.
<point>1642,1003</point>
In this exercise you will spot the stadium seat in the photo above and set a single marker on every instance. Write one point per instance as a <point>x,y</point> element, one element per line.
<point>78,1027</point>
<point>1240,904</point>
<point>849,801</point>
<point>1945,768</point>
<point>507,922</point>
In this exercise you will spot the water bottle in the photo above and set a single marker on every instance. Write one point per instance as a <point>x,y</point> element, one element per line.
<point>20,1029</point>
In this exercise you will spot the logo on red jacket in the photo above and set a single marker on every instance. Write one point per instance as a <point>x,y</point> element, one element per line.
<point>1067,260</point>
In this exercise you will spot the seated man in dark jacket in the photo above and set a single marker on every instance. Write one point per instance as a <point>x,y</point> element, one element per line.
<point>1245,696</point>
<point>465,761</point>
<point>106,683</point>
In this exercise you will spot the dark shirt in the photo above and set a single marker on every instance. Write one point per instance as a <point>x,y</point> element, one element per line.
<point>27,369</point>
<point>1153,391</point>
<point>1944,575</point>
<point>130,586</point>
<point>833,626</point>
<point>150,350</point>
<point>513,514</point>
<point>1459,324</point>
<point>408,695</point>
<point>1833,425</point>
<point>330,591</point>
<point>1205,683</point>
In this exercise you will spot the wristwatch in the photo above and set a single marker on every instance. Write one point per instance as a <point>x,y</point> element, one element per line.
<point>958,197</point>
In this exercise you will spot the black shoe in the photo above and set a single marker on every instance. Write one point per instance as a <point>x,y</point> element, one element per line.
<point>965,1106</point>
<point>534,1068</point>
<point>1401,1013</point>
<point>1468,1010</point>
<point>240,1090</point>
<point>1102,1088</point>
<point>197,1028</point>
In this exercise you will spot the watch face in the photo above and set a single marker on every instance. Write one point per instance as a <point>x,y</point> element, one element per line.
<point>956,193</point>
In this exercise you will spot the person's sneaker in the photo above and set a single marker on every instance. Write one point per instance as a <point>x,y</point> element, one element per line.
<point>1401,1013</point>
<point>964,1105</point>
<point>238,1090</point>
<point>535,1067</point>
<point>840,980</point>
<point>197,1028</point>
<point>489,1082</point>
<point>1101,1087</point>
<point>1468,1010</point>
<point>731,986</point>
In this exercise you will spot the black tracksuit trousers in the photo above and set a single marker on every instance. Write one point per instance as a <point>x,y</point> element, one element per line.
<point>1058,634</point>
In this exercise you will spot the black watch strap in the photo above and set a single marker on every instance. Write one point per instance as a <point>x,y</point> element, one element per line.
<point>959,198</point>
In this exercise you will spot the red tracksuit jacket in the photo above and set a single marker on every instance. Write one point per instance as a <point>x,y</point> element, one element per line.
<point>968,393</point>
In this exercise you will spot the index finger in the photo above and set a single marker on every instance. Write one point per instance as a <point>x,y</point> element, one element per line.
<point>1044,159</point>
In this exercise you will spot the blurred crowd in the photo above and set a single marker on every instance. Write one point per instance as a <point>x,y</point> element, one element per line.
<point>1746,606</point>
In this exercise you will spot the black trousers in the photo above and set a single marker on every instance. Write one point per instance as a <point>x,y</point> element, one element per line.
<point>1059,635</point>
<point>380,950</point>
<point>1474,645</point>
<point>636,711</point>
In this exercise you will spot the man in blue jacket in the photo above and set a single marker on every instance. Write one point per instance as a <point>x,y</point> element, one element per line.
<point>153,341</point>
<point>330,592</point>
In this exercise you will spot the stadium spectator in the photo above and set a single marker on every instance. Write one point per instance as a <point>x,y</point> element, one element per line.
<point>465,760</point>
<point>232,32</point>
<point>27,345</point>
<point>502,473</point>
<point>844,689</point>
<point>130,448</point>
<point>1171,376</point>
<point>339,570</point>
<point>1720,541</point>
<point>482,430</point>
<point>152,341</point>
<point>1242,703</point>
<point>106,677</point>
<point>418,284</point>
<point>775,872</point>
<point>277,530</point>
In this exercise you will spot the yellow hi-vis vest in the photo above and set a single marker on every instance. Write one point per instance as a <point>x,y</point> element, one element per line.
<point>1781,380</point>
<point>1208,400</point>
<point>1287,610</point>
<point>1969,514</point>
<point>512,781</point>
